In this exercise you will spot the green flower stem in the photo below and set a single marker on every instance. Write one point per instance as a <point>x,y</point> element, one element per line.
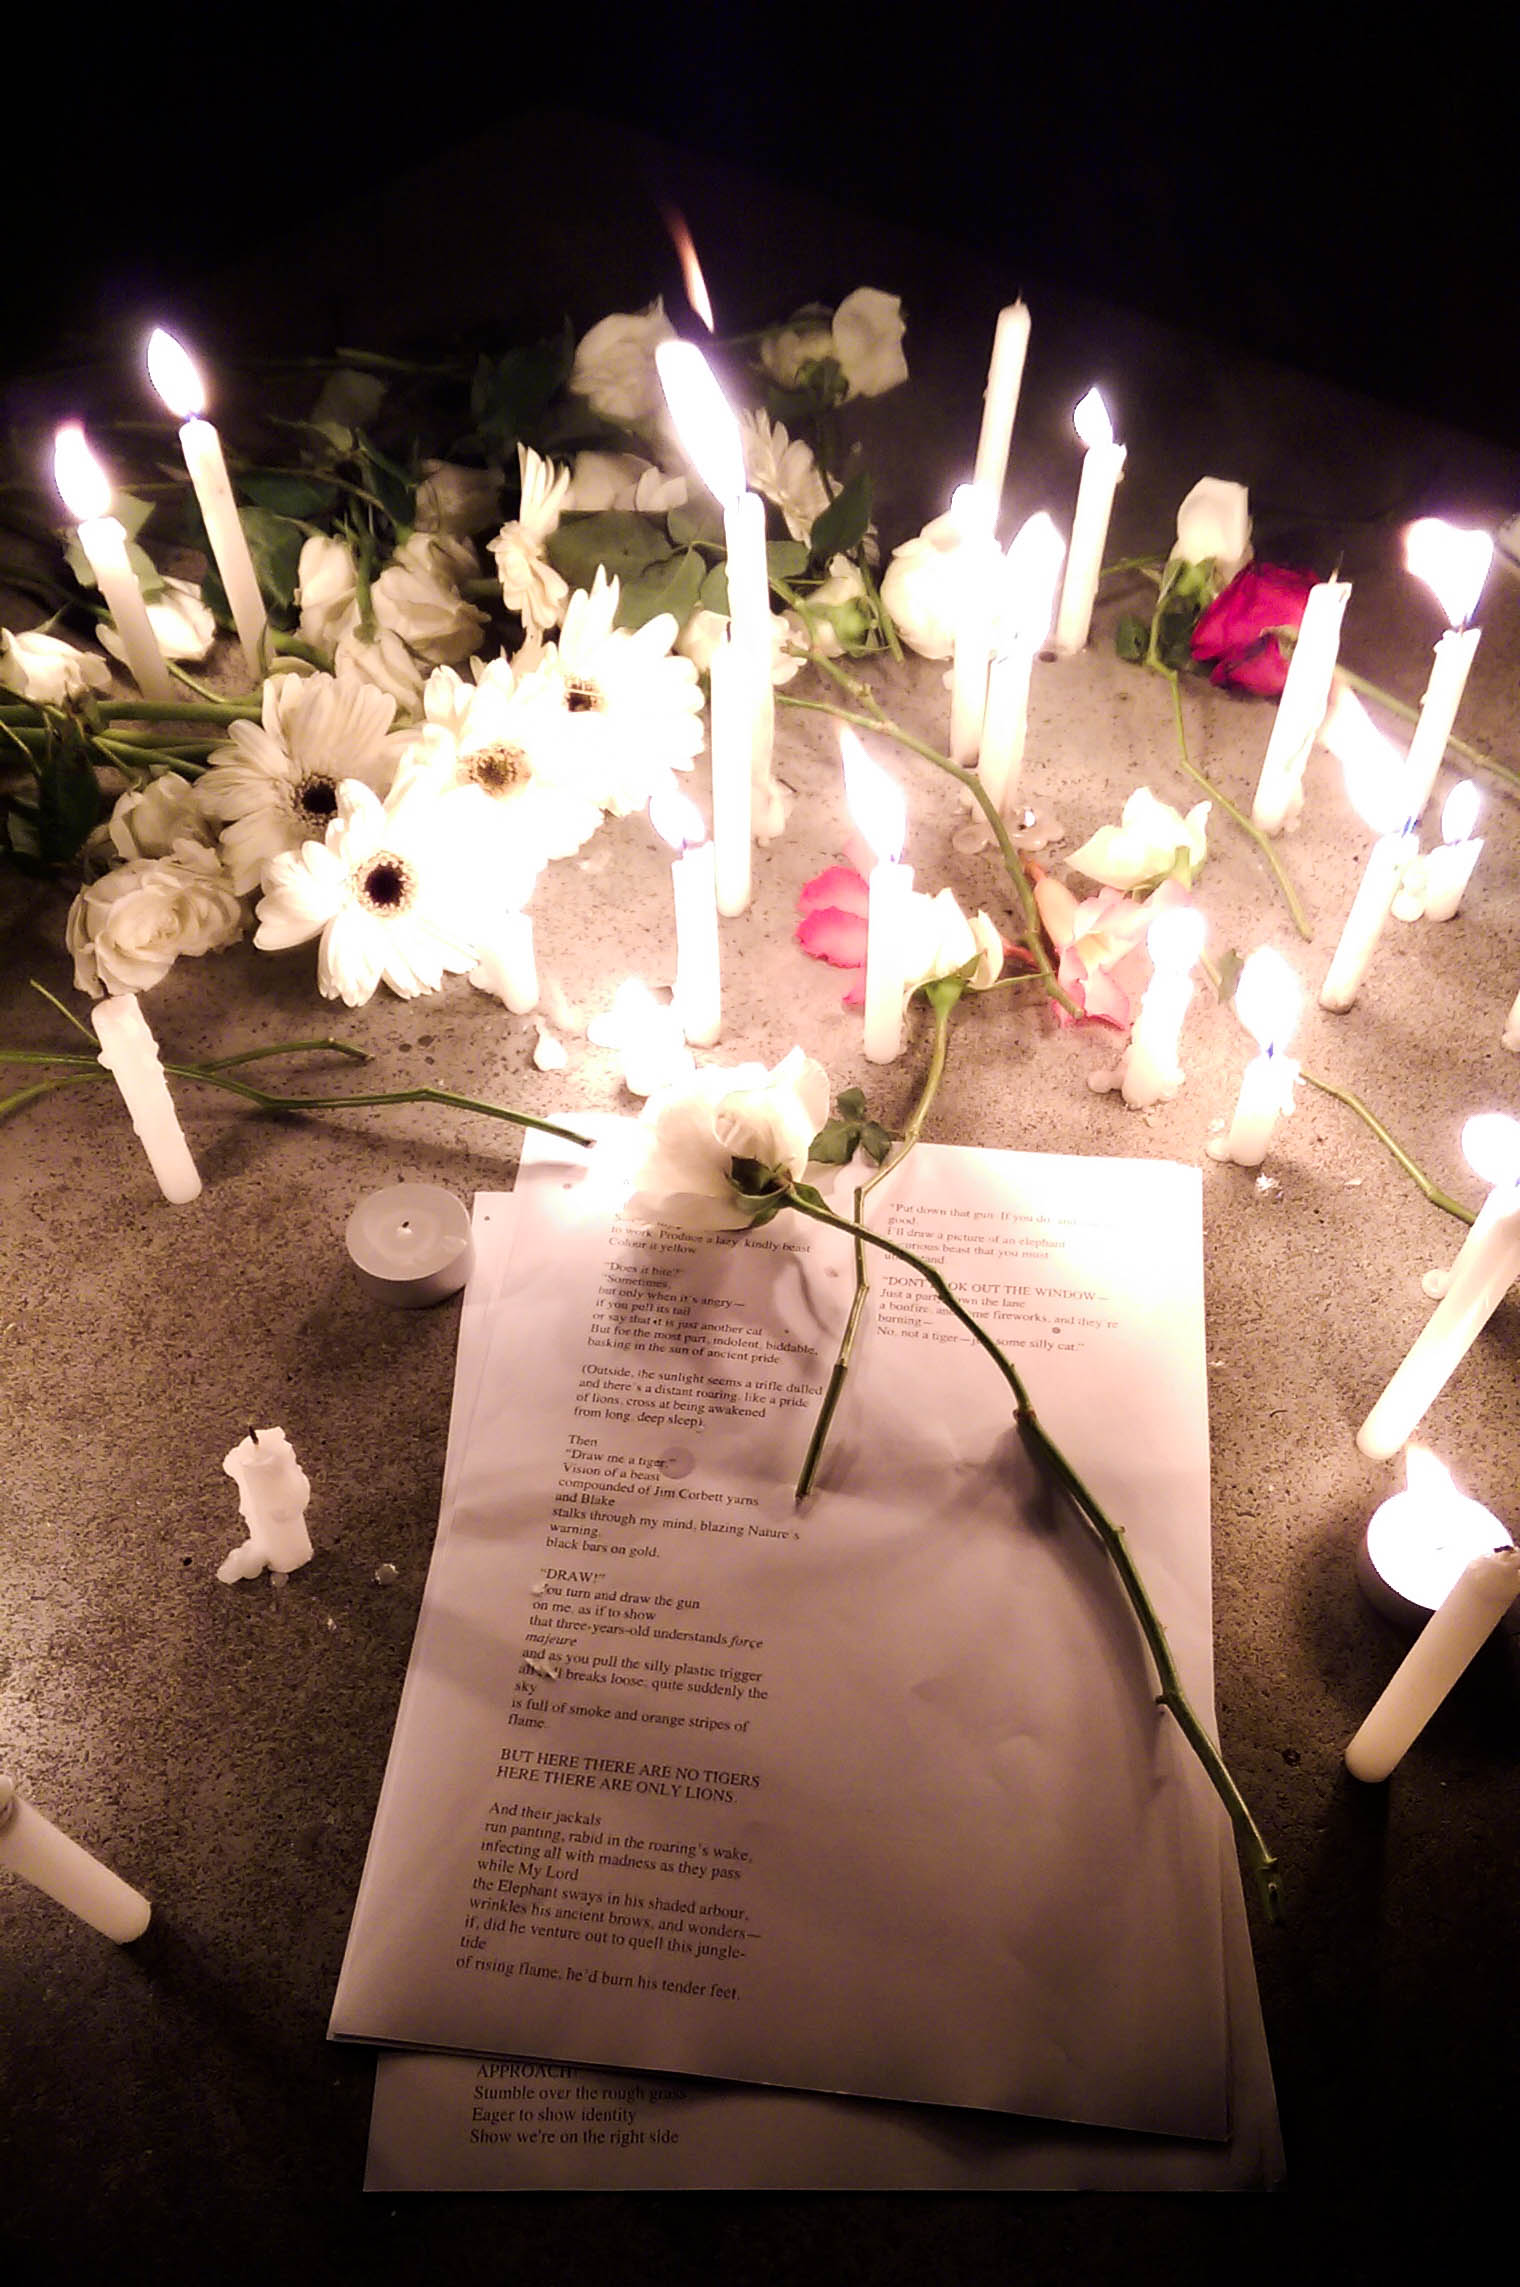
<point>1049,1458</point>
<point>1411,714</point>
<point>876,719</point>
<point>1353,1103</point>
<point>909,1137</point>
<point>174,710</point>
<point>1245,824</point>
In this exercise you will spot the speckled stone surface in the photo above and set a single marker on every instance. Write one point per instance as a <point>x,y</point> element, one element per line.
<point>174,2106</point>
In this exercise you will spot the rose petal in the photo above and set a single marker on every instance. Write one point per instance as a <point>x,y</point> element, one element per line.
<point>839,886</point>
<point>830,934</point>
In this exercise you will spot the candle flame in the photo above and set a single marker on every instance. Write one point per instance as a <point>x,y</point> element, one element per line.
<point>691,268</point>
<point>1376,780</point>
<point>83,485</point>
<point>676,818</point>
<point>1491,1147</point>
<point>174,374</point>
<point>1452,562</point>
<point>1091,421</point>
<point>1174,939</point>
<point>1032,572</point>
<point>703,417</point>
<point>877,804</point>
<point>1428,1479</point>
<point>1268,997</point>
<point>971,512</point>
<point>1460,814</point>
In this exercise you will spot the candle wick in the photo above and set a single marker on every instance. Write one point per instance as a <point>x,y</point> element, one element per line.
<point>253,1435</point>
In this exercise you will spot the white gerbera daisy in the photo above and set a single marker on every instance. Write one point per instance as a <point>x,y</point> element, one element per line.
<point>378,891</point>
<point>530,585</point>
<point>631,708</point>
<point>496,742</point>
<point>781,468</point>
<point>276,784</point>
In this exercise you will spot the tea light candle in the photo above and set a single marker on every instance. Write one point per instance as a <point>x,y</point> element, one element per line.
<point>1005,377</point>
<point>1454,565</point>
<point>1149,1071</point>
<point>410,1243</point>
<point>31,1846</point>
<point>880,812</point>
<point>1266,1002</point>
<point>129,1053</point>
<point>1486,1267</point>
<point>1420,1541</point>
<point>173,374</point>
<point>1447,1643</point>
<point>732,782</point>
<point>1031,570</point>
<point>1301,709</point>
<point>698,990</point>
<point>508,966</point>
<point>86,493</point>
<point>1102,467</point>
<point>1449,868</point>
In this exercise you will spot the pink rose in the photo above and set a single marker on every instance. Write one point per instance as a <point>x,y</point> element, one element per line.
<point>1104,965</point>
<point>1240,637</point>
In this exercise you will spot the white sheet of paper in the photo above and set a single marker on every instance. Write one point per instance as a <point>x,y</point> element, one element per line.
<point>942,1848</point>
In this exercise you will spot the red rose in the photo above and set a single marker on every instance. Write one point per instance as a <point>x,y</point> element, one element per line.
<point>1239,637</point>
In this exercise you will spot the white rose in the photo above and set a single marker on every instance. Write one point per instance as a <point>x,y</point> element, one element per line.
<point>1146,844</point>
<point>868,331</point>
<point>1214,525</point>
<point>46,670</point>
<point>327,589</point>
<point>921,588</point>
<point>126,930</point>
<point>844,585</point>
<point>148,820</point>
<point>808,338</point>
<point>622,480</point>
<point>695,1131</point>
<point>456,500</point>
<point>614,366</point>
<point>183,626</point>
<point>386,663</point>
<point>417,597</point>
<point>942,940</point>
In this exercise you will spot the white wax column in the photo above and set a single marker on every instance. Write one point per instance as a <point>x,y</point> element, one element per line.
<point>202,448</point>
<point>1448,869</point>
<point>1438,711</point>
<point>698,991</point>
<point>1102,467</point>
<point>1485,1269</point>
<point>1420,1542</point>
<point>1510,1037</point>
<point>129,1053</point>
<point>888,905</point>
<point>749,616</point>
<point>1150,1072</point>
<point>410,1243</point>
<point>1390,854</point>
<point>508,965</point>
<point>1440,1652</point>
<point>104,541</point>
<point>1005,376</point>
<point>31,1846</point>
<point>1005,725</point>
<point>732,781</point>
<point>1301,709</point>
<point>978,573</point>
<point>273,1490</point>
<point>1266,1093</point>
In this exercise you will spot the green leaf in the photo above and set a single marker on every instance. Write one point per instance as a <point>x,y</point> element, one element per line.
<point>786,559</point>
<point>307,496</point>
<point>275,544</point>
<point>672,585</point>
<point>149,577</point>
<point>627,544</point>
<point>714,591</point>
<point>1132,638</point>
<point>834,1144</point>
<point>852,1103</point>
<point>844,523</point>
<point>510,395</point>
<point>698,523</point>
<point>850,1130</point>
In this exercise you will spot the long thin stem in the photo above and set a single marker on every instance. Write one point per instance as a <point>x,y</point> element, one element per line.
<point>1230,810</point>
<point>1049,1457</point>
<point>1469,754</point>
<point>1417,1175</point>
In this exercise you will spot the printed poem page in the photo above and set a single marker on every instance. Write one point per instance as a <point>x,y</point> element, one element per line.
<point>866,1795</point>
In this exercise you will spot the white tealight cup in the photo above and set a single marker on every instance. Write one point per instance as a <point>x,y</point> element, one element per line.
<point>410,1244</point>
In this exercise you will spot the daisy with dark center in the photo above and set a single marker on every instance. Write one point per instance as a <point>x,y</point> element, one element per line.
<point>492,745</point>
<point>630,707</point>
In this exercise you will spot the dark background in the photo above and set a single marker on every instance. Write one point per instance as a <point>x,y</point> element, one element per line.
<point>1338,199</point>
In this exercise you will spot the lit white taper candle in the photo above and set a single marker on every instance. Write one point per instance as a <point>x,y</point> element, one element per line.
<point>1102,467</point>
<point>1031,569</point>
<point>85,491</point>
<point>129,1053</point>
<point>31,1846</point>
<point>732,780</point>
<point>978,570</point>
<point>174,375</point>
<point>1486,1267</point>
<point>697,992</point>
<point>1378,786</point>
<point>880,811</point>
<point>1420,1541</point>
<point>508,965</point>
<point>1005,377</point>
<point>1301,709</point>
<point>1454,564</point>
<point>1150,1071</point>
<point>1445,1646</point>
<point>1267,1001</point>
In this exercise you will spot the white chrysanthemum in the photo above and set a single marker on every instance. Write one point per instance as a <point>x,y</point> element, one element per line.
<point>378,891</point>
<point>497,740</point>
<point>530,585</point>
<point>632,708</point>
<point>781,468</point>
<point>276,784</point>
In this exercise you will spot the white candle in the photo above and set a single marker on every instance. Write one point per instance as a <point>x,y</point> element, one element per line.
<point>129,1053</point>
<point>880,812</point>
<point>1266,1002</point>
<point>410,1243</point>
<point>86,493</point>
<point>174,376</point>
<point>1449,868</point>
<point>732,781</point>
<point>1102,467</point>
<point>1149,1071</point>
<point>273,1490</point>
<point>1510,1037</point>
<point>1420,1542</point>
<point>978,569</point>
<point>647,1036</point>
<point>1028,591</point>
<point>1377,783</point>
<point>697,994</point>
<point>1444,1647</point>
<point>1301,709</point>
<point>1454,565</point>
<point>31,1846</point>
<point>508,966</point>
<point>1487,1265</point>
<point>1005,376</point>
